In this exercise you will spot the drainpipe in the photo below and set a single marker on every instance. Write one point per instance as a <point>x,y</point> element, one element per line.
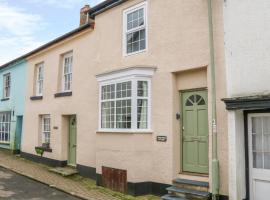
<point>215,161</point>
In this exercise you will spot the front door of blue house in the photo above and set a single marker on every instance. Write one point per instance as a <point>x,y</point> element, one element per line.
<point>18,132</point>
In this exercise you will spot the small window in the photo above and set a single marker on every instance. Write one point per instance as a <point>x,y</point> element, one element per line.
<point>135,39</point>
<point>6,85</point>
<point>39,79</point>
<point>67,72</point>
<point>46,129</point>
<point>5,118</point>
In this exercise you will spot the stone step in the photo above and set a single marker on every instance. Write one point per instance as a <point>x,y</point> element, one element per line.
<point>64,171</point>
<point>172,197</point>
<point>191,184</point>
<point>189,193</point>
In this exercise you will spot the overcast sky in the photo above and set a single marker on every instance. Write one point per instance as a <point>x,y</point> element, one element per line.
<point>27,24</point>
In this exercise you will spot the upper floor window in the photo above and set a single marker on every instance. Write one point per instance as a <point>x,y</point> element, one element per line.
<point>6,85</point>
<point>67,72</point>
<point>125,102</point>
<point>135,33</point>
<point>39,79</point>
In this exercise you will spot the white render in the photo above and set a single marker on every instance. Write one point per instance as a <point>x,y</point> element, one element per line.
<point>247,45</point>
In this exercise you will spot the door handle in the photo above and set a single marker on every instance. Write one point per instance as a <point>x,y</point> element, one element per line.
<point>74,145</point>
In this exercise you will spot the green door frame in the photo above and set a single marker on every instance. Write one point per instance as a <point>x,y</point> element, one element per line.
<point>72,140</point>
<point>198,140</point>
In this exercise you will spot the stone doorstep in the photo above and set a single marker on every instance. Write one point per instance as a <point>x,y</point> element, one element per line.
<point>52,186</point>
<point>64,171</point>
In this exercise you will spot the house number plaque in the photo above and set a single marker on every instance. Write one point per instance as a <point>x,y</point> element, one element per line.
<point>162,138</point>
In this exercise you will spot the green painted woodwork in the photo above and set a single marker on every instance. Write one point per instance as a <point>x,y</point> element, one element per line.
<point>72,141</point>
<point>195,131</point>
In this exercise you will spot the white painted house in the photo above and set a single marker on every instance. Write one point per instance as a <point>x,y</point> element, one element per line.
<point>247,47</point>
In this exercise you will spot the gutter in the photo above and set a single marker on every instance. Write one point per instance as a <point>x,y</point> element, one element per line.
<point>215,161</point>
<point>102,7</point>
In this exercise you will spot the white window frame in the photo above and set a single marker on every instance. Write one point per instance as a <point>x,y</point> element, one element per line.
<point>5,87</point>
<point>67,55</point>
<point>3,125</point>
<point>133,75</point>
<point>145,26</point>
<point>39,79</point>
<point>43,132</point>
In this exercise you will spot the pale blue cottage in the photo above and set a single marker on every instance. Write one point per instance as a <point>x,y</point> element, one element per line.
<point>12,100</point>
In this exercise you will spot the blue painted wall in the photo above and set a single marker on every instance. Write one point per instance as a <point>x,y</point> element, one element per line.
<point>16,102</point>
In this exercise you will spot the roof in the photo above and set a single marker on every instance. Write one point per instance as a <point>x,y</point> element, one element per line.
<point>59,39</point>
<point>260,101</point>
<point>103,6</point>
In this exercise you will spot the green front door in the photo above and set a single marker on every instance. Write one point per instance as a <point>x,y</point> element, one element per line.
<point>72,141</point>
<point>195,131</point>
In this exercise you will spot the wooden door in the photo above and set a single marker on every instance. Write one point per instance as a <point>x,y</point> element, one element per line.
<point>72,141</point>
<point>195,131</point>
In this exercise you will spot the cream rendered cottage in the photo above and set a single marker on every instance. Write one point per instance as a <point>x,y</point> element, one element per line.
<point>127,95</point>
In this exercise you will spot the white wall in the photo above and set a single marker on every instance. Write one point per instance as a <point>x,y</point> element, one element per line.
<point>247,46</point>
<point>237,180</point>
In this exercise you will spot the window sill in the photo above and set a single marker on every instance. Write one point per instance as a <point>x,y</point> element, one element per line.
<point>5,99</point>
<point>5,143</point>
<point>44,149</point>
<point>135,53</point>
<point>36,98</point>
<point>63,94</point>
<point>125,132</point>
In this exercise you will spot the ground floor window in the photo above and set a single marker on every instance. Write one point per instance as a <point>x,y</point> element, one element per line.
<point>46,130</point>
<point>5,118</point>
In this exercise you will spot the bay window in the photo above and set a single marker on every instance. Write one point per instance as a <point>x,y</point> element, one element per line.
<point>125,100</point>
<point>124,105</point>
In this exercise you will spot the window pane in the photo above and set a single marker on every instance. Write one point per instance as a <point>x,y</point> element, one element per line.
<point>257,160</point>
<point>142,113</point>
<point>123,90</point>
<point>136,41</point>
<point>142,89</point>
<point>123,114</point>
<point>257,142</point>
<point>257,125</point>
<point>107,114</point>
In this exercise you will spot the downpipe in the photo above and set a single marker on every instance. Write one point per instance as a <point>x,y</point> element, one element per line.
<point>215,161</point>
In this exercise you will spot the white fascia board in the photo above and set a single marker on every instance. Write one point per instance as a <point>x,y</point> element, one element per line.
<point>130,72</point>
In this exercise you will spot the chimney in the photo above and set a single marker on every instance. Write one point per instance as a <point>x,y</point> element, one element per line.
<point>84,16</point>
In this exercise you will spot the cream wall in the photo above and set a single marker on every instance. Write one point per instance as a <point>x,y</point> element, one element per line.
<point>177,41</point>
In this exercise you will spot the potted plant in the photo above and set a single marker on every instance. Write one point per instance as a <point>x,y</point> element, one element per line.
<point>39,150</point>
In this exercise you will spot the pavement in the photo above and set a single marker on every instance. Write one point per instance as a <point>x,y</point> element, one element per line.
<point>17,187</point>
<point>40,173</point>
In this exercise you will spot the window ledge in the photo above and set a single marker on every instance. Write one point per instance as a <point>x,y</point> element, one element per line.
<point>63,94</point>
<point>5,99</point>
<point>5,143</point>
<point>44,149</point>
<point>126,132</point>
<point>36,98</point>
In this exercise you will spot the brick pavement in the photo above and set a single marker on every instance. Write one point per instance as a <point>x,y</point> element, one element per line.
<point>40,173</point>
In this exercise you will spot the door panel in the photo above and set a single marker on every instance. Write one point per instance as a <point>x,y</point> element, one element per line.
<point>72,141</point>
<point>259,155</point>
<point>195,131</point>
